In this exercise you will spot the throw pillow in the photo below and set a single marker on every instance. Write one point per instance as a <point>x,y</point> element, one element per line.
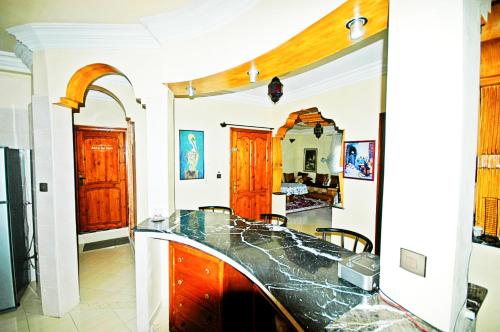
<point>320,179</point>
<point>334,181</point>
<point>300,180</point>
<point>289,177</point>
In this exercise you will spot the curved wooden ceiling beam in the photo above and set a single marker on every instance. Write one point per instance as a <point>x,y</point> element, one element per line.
<point>313,46</point>
<point>81,80</point>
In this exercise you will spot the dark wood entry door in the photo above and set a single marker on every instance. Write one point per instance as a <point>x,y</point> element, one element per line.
<point>101,180</point>
<point>251,172</point>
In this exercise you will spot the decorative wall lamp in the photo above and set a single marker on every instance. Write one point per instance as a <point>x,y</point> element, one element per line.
<point>191,91</point>
<point>318,130</point>
<point>356,27</point>
<point>292,140</point>
<point>275,89</point>
<point>253,73</point>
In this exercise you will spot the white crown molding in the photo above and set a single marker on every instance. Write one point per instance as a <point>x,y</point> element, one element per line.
<point>37,36</point>
<point>362,73</point>
<point>194,19</point>
<point>9,62</point>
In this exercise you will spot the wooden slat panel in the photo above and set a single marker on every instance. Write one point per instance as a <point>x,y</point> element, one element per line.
<point>491,30</point>
<point>318,43</point>
<point>489,121</point>
<point>490,58</point>
<point>488,175</point>
<point>277,164</point>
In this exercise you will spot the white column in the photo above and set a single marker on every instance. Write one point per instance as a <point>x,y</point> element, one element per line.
<point>159,128</point>
<point>55,209</point>
<point>432,111</point>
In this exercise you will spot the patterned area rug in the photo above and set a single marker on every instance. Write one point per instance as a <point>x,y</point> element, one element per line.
<point>301,203</point>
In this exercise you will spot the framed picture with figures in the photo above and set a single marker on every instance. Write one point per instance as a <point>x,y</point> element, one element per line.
<point>359,160</point>
<point>191,154</point>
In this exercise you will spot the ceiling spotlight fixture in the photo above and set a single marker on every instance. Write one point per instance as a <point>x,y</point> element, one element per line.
<point>318,130</point>
<point>356,27</point>
<point>275,89</point>
<point>191,91</point>
<point>253,73</point>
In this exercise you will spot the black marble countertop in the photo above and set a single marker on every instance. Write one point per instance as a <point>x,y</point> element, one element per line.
<point>299,270</point>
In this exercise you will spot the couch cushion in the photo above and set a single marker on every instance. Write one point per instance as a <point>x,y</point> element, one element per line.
<point>334,181</point>
<point>320,179</point>
<point>289,177</point>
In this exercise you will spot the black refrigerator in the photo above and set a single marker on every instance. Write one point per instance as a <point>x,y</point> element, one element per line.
<point>14,255</point>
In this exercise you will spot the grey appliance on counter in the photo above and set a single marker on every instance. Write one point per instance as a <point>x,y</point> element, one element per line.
<point>361,270</point>
<point>14,260</point>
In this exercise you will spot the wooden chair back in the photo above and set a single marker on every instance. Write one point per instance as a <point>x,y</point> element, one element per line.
<point>342,233</point>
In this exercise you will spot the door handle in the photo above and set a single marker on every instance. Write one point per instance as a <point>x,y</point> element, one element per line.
<point>81,178</point>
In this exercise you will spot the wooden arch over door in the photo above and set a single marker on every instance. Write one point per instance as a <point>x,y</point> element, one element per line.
<point>81,80</point>
<point>309,117</point>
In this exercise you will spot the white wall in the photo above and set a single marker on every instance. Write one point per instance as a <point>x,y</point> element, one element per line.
<point>15,129</point>
<point>101,112</point>
<point>206,114</point>
<point>484,271</point>
<point>354,108</point>
<point>14,113</point>
<point>432,110</point>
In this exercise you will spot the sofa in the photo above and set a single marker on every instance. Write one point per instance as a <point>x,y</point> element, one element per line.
<point>324,187</point>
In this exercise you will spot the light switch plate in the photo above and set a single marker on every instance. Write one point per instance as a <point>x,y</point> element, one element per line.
<point>413,262</point>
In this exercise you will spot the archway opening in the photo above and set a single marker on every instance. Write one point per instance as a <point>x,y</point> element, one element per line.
<point>308,168</point>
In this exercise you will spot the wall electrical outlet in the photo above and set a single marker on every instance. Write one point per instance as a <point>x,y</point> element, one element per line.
<point>413,262</point>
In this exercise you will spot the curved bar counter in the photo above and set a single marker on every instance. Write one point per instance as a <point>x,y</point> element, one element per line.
<point>296,271</point>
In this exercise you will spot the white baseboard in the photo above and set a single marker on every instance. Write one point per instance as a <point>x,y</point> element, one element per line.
<point>102,235</point>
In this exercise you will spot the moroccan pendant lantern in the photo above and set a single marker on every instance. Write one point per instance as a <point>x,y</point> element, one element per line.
<point>275,89</point>
<point>318,130</point>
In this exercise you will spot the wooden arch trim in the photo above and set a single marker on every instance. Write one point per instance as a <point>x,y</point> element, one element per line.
<point>309,117</point>
<point>81,80</point>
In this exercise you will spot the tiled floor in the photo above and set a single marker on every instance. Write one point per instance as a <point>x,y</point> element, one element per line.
<point>308,221</point>
<point>107,298</point>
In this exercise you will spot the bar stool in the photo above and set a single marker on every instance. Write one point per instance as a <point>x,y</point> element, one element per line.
<point>278,218</point>
<point>216,209</point>
<point>343,232</point>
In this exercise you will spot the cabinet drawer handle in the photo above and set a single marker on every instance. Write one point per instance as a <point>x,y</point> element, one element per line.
<point>180,259</point>
<point>207,271</point>
<point>179,282</point>
<point>207,297</point>
<point>180,304</point>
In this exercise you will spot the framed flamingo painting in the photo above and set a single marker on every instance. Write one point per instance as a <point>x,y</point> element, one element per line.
<point>191,154</point>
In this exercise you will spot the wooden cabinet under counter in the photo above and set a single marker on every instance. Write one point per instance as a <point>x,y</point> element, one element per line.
<point>207,294</point>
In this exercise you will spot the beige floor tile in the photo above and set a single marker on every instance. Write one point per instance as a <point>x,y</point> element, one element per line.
<point>107,298</point>
<point>132,325</point>
<point>14,321</point>
<point>40,323</point>
<point>89,295</point>
<point>125,314</point>
<point>32,306</point>
<point>98,320</point>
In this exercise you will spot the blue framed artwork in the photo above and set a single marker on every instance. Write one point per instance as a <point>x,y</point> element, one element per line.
<point>191,154</point>
<point>359,160</point>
